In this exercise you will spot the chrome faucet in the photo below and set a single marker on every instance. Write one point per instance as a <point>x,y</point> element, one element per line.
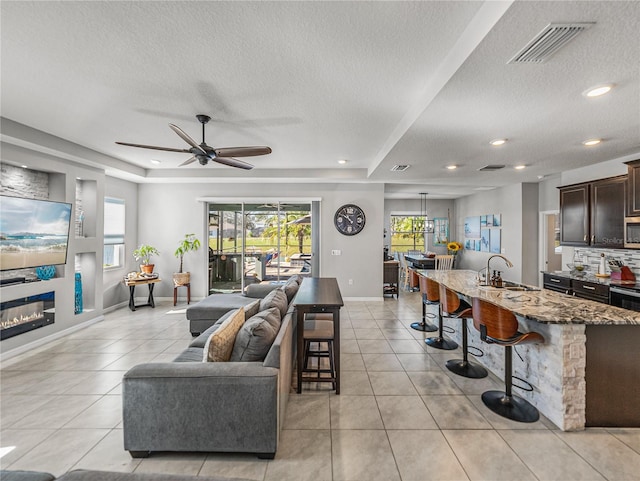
<point>506,261</point>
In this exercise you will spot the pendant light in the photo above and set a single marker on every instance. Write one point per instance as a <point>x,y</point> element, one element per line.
<point>428,224</point>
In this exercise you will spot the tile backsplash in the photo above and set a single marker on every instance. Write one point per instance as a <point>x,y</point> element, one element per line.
<point>628,257</point>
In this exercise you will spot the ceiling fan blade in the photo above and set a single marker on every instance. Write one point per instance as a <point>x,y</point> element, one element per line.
<point>168,149</point>
<point>183,135</point>
<point>189,161</point>
<point>243,151</point>
<point>233,162</point>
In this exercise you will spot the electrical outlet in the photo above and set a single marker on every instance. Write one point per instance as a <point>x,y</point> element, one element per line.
<point>350,282</point>
<point>336,252</point>
<point>503,251</point>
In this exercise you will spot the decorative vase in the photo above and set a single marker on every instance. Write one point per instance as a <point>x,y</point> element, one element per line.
<point>147,268</point>
<point>78,295</point>
<point>181,278</point>
<point>45,273</point>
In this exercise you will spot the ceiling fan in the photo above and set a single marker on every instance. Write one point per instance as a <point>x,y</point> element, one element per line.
<point>204,153</point>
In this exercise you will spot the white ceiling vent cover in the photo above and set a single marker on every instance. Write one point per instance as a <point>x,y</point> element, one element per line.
<point>399,168</point>
<point>549,41</point>
<point>491,168</point>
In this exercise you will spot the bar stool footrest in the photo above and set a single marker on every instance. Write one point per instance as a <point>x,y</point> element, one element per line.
<point>527,386</point>
<point>479,352</point>
<point>510,407</point>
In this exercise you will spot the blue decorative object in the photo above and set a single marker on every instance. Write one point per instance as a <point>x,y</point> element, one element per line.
<point>78,304</point>
<point>45,272</point>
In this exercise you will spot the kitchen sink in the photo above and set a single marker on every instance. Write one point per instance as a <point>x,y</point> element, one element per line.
<point>513,286</point>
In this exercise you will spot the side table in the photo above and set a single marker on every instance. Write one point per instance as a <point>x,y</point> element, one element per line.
<point>175,292</point>
<point>132,283</point>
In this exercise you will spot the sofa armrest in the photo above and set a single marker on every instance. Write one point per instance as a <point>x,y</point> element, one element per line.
<point>259,291</point>
<point>194,406</point>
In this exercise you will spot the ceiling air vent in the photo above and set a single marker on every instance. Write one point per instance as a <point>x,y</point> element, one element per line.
<point>491,168</point>
<point>549,41</point>
<point>399,168</point>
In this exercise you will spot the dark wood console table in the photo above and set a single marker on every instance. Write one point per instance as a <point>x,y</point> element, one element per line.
<point>318,295</point>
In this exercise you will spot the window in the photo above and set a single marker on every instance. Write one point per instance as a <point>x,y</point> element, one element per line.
<point>407,233</point>
<point>113,255</point>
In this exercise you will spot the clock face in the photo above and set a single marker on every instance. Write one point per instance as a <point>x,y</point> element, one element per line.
<point>349,219</point>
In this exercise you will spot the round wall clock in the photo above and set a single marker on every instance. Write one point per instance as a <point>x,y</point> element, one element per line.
<point>349,219</point>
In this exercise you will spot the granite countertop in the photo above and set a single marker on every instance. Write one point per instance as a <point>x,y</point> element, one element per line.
<point>543,306</point>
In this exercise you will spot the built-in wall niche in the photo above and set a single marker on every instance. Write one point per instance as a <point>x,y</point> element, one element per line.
<point>22,315</point>
<point>84,285</point>
<point>86,208</point>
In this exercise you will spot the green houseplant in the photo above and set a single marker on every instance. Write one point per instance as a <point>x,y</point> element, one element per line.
<point>144,254</point>
<point>188,244</point>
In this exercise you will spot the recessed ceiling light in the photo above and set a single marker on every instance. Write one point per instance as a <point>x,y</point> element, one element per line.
<point>591,142</point>
<point>498,142</point>
<point>484,188</point>
<point>156,161</point>
<point>24,166</point>
<point>78,178</point>
<point>342,161</point>
<point>598,90</point>
<point>519,167</point>
<point>452,167</point>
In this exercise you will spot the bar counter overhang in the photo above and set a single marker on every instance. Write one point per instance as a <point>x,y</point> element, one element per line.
<point>588,370</point>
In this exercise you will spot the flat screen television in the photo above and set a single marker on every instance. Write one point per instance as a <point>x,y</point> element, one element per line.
<point>33,232</point>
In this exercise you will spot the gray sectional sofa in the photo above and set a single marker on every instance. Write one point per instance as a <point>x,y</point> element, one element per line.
<point>203,314</point>
<point>235,406</point>
<point>90,475</point>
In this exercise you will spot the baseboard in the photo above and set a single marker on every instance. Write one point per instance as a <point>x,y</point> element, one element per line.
<point>32,347</point>
<point>115,307</point>
<point>363,299</point>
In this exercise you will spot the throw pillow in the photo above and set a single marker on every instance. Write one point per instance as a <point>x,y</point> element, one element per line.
<point>256,336</point>
<point>220,344</point>
<point>276,298</point>
<point>290,289</point>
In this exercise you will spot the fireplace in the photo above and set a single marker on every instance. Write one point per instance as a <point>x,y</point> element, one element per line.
<point>26,314</point>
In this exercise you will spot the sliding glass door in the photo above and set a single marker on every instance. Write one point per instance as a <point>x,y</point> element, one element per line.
<point>258,242</point>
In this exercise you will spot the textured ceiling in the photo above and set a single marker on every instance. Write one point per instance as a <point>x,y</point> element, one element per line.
<point>376,83</point>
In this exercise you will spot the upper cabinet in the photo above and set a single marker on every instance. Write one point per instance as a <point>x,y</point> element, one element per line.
<point>592,213</point>
<point>633,188</point>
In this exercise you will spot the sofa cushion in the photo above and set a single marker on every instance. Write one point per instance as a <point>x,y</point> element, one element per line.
<point>220,344</point>
<point>259,291</point>
<point>249,311</point>
<point>276,298</point>
<point>216,305</point>
<point>25,476</point>
<point>89,475</point>
<point>191,354</point>
<point>256,336</point>
<point>291,288</point>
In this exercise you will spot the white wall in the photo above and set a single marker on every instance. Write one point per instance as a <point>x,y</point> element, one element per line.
<point>115,292</point>
<point>518,205</point>
<point>164,219</point>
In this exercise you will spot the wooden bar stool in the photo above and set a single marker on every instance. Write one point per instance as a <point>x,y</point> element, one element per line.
<point>318,332</point>
<point>433,297</point>
<point>453,306</point>
<point>423,325</point>
<point>500,326</point>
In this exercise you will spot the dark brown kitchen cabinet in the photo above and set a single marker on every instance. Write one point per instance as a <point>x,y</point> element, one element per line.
<point>574,215</point>
<point>592,213</point>
<point>633,188</point>
<point>607,212</point>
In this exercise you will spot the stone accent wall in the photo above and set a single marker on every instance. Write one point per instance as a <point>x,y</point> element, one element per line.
<point>19,182</point>
<point>555,369</point>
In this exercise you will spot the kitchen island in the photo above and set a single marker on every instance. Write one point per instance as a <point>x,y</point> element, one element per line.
<point>588,370</point>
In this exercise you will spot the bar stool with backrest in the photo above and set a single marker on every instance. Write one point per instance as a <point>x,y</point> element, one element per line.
<point>433,298</point>
<point>500,326</point>
<point>423,325</point>
<point>405,280</point>
<point>453,306</point>
<point>318,331</point>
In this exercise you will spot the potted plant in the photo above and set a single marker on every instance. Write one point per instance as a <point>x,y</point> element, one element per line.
<point>188,244</point>
<point>143,254</point>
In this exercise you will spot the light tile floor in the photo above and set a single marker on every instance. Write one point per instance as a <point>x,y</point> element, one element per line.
<point>400,415</point>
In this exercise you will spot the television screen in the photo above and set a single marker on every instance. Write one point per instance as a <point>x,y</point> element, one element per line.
<point>33,232</point>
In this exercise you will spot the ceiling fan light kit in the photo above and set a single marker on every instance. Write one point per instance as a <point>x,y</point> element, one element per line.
<point>203,153</point>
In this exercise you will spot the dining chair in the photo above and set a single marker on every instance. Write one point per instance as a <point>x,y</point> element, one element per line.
<point>444,262</point>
